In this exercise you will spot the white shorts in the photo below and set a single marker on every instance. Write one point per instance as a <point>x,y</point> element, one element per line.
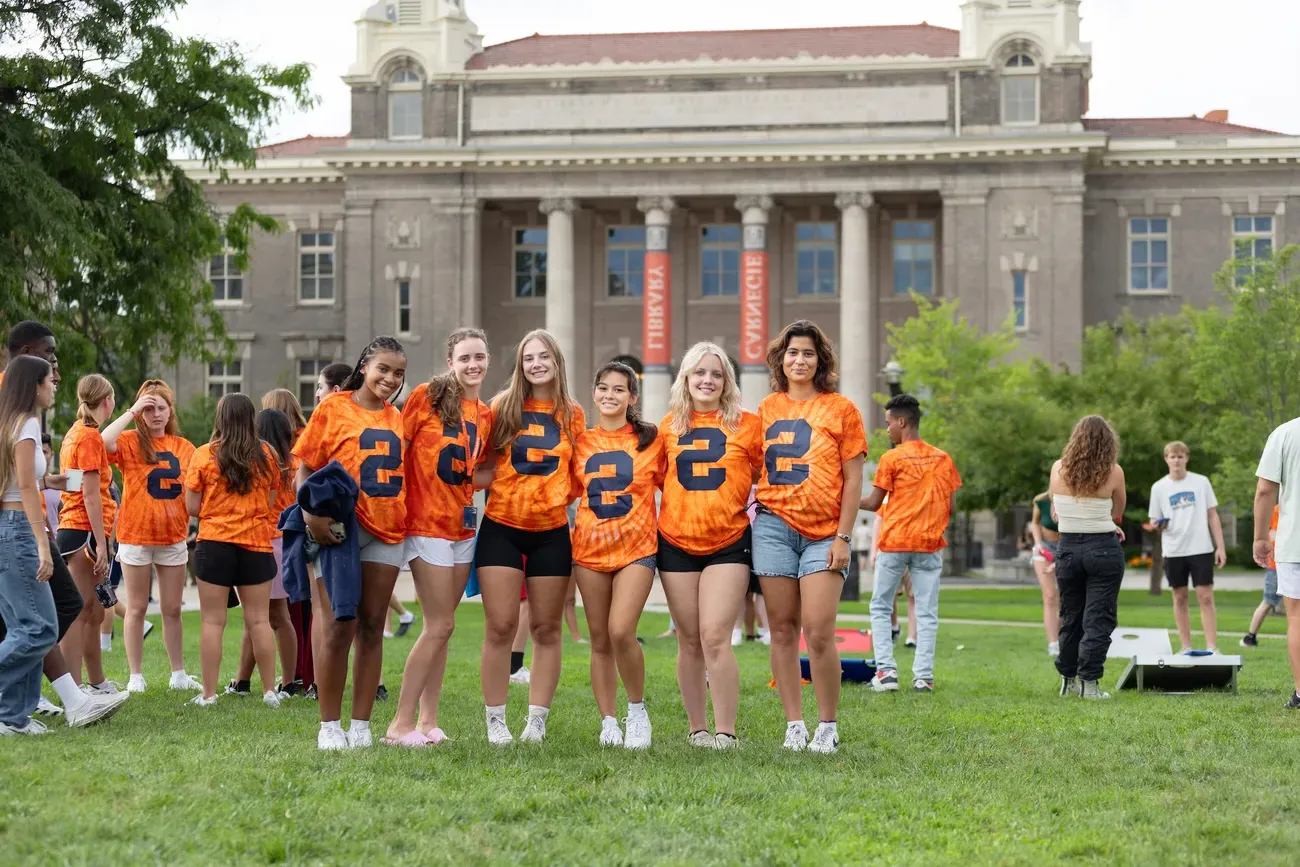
<point>439,552</point>
<point>1288,580</point>
<point>153,555</point>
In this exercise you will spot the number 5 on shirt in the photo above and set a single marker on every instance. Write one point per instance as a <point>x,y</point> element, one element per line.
<point>715,449</point>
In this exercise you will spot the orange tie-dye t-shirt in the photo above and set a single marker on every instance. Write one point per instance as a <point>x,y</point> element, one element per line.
<point>806,444</point>
<point>153,494</point>
<point>710,472</point>
<point>920,480</point>
<point>83,449</point>
<point>533,487</point>
<point>616,523</point>
<point>285,496</point>
<point>368,444</point>
<point>440,466</point>
<point>227,516</point>
<point>1272,537</point>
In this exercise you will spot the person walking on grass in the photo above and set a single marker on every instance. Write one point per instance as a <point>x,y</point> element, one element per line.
<point>1088,498</point>
<point>1185,512</point>
<point>1279,487</point>
<point>1046,539</point>
<point>921,483</point>
<point>1271,604</point>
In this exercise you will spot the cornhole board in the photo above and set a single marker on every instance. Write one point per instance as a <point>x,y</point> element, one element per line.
<point>1152,664</point>
<point>853,641</point>
<point>851,670</point>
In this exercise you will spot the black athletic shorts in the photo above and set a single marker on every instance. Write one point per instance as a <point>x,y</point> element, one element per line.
<point>674,559</point>
<point>1198,567</point>
<point>229,565</point>
<point>72,541</point>
<point>533,552</point>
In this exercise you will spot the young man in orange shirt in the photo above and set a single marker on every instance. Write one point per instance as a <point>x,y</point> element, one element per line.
<point>921,483</point>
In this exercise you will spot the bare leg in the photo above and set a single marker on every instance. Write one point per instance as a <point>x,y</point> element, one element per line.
<point>171,593</point>
<point>722,590</point>
<point>331,655</point>
<point>546,595</point>
<point>597,594</point>
<point>1046,574</point>
<point>255,599</point>
<point>820,593</point>
<point>444,607</point>
<point>1293,637</point>
<point>377,580</point>
<point>571,613</point>
<point>522,630</point>
<point>500,586</point>
<point>286,639</point>
<point>784,615</point>
<point>631,590</point>
<point>683,592</point>
<point>74,642</point>
<point>1257,619</point>
<point>212,610</point>
<point>1209,617</point>
<point>439,589</point>
<point>1182,617</point>
<point>136,580</point>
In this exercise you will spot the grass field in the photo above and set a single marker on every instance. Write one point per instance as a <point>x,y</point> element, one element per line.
<point>991,768</point>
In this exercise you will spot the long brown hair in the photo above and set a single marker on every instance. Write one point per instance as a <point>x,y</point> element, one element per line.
<point>92,390</point>
<point>1089,456</point>
<point>826,377</point>
<point>18,395</point>
<point>645,431</point>
<point>508,405</point>
<point>286,402</point>
<point>445,391</point>
<point>161,390</point>
<point>275,429</point>
<point>241,459</point>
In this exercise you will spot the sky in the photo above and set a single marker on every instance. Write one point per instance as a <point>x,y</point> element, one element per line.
<point>1151,58</point>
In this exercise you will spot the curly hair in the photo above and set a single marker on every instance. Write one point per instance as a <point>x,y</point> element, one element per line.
<point>827,374</point>
<point>1089,456</point>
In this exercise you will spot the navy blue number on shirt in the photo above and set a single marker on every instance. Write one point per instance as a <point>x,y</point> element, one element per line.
<point>715,442</point>
<point>798,473</point>
<point>548,439</point>
<point>621,462</point>
<point>164,481</point>
<point>372,438</point>
<point>456,452</point>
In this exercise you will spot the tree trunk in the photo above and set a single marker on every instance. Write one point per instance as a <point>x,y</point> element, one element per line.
<point>1157,565</point>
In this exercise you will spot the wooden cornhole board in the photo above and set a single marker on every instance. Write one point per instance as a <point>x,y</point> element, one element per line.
<point>1153,665</point>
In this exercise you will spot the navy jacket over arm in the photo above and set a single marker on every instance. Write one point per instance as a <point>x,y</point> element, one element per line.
<point>331,492</point>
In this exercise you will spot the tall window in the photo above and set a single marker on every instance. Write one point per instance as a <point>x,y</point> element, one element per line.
<point>225,377</point>
<point>1148,258</point>
<point>1252,238</point>
<point>316,266</point>
<point>625,261</point>
<point>720,260</point>
<point>403,306</point>
<point>530,263</point>
<point>815,258</point>
<point>226,278</point>
<point>914,257</point>
<point>308,373</point>
<point>405,105</point>
<point>1020,299</point>
<point>1020,91</point>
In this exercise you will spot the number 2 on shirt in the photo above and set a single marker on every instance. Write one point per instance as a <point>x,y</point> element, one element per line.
<point>715,449</point>
<point>548,439</point>
<point>164,481</point>
<point>621,463</point>
<point>456,452</point>
<point>798,473</point>
<point>371,439</point>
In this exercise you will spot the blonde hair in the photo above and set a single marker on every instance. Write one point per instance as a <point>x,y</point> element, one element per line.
<point>92,390</point>
<point>1178,447</point>
<point>679,399</point>
<point>159,389</point>
<point>286,402</point>
<point>508,405</point>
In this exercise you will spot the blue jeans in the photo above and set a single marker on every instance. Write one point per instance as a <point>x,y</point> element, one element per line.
<point>925,569</point>
<point>27,606</point>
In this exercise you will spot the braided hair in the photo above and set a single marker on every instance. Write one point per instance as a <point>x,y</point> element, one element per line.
<point>382,343</point>
<point>645,431</point>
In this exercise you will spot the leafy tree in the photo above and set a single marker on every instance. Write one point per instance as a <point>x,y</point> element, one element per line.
<point>196,417</point>
<point>100,229</point>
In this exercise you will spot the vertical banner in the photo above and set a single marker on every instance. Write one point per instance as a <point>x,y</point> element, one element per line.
<point>656,317</point>
<point>753,307</point>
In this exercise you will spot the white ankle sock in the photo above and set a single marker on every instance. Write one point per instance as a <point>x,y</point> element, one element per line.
<point>105,641</point>
<point>178,673</point>
<point>538,710</point>
<point>69,693</point>
<point>497,711</point>
<point>795,724</point>
<point>829,725</point>
<point>609,719</point>
<point>333,725</point>
<point>360,725</point>
<point>636,708</point>
<point>408,617</point>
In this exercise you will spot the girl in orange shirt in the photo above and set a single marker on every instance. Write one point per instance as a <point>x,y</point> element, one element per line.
<point>230,487</point>
<point>446,431</point>
<point>535,425</point>
<point>85,523</point>
<point>617,466</point>
<point>714,450</point>
<point>152,523</point>
<point>814,446</point>
<point>360,429</point>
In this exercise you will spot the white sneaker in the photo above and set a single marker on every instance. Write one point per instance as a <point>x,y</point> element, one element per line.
<point>136,683</point>
<point>498,732</point>
<point>45,707</point>
<point>765,636</point>
<point>358,739</point>
<point>201,701</point>
<point>825,741</point>
<point>701,739</point>
<point>108,687</point>
<point>332,739</point>
<point>33,727</point>
<point>796,738</point>
<point>534,730</point>
<point>723,741</point>
<point>1054,649</point>
<point>737,637</point>
<point>185,681</point>
<point>610,734</point>
<point>271,699</point>
<point>522,676</point>
<point>638,732</point>
<point>96,708</point>
<point>388,633</point>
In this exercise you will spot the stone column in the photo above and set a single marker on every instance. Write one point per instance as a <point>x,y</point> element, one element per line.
<point>561,297</point>
<point>857,326</point>
<point>656,311</point>
<point>754,334</point>
<point>471,292</point>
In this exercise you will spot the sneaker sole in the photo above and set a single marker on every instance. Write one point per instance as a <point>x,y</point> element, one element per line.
<point>105,714</point>
<point>888,687</point>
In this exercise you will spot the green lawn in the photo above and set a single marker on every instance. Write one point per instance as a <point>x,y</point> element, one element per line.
<point>991,768</point>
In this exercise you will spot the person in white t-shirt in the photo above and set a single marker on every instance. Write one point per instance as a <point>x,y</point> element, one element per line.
<point>1185,512</point>
<point>1279,484</point>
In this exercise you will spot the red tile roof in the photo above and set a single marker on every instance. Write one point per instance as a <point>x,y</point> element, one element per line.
<point>308,146</point>
<point>1168,127</point>
<point>572,50</point>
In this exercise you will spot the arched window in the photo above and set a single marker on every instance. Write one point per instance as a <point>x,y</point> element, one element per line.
<point>405,104</point>
<point>1020,91</point>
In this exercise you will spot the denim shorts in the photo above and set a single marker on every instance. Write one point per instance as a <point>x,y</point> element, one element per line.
<point>781,551</point>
